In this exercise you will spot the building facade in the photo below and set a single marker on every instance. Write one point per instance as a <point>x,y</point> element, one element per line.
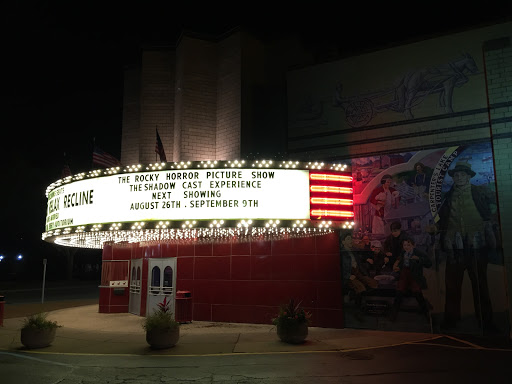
<point>443,103</point>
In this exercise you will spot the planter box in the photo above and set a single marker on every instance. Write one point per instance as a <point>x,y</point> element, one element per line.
<point>161,339</point>
<point>293,334</point>
<point>37,338</point>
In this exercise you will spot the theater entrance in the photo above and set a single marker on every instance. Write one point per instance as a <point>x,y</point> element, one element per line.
<point>161,282</point>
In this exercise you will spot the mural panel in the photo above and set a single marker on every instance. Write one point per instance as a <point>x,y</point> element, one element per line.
<point>434,77</point>
<point>426,253</point>
<point>351,94</point>
<point>412,89</point>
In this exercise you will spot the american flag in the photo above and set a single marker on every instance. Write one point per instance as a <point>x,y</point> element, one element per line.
<point>66,171</point>
<point>104,159</point>
<point>159,148</point>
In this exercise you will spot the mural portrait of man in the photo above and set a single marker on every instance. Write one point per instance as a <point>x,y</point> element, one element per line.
<point>452,218</point>
<point>466,237</point>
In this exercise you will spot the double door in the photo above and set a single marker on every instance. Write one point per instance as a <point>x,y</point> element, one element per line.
<point>161,283</point>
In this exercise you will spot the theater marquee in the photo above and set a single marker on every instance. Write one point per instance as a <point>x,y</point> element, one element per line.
<point>210,198</point>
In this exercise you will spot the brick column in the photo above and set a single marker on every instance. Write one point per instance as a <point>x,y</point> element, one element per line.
<point>498,64</point>
<point>229,99</point>
<point>131,117</point>
<point>157,104</point>
<point>196,100</point>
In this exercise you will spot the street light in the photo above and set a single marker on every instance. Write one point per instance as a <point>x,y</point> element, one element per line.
<point>19,257</point>
<point>1,257</point>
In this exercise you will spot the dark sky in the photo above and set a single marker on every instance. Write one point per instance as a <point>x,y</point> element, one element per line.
<point>65,66</point>
<point>64,88</point>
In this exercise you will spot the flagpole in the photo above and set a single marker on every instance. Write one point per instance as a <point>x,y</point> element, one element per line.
<point>92,153</point>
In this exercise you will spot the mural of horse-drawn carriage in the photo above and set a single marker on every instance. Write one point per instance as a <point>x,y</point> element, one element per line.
<point>411,90</point>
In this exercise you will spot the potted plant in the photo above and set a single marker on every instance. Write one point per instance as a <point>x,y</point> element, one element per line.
<point>37,331</point>
<point>292,323</point>
<point>162,330</point>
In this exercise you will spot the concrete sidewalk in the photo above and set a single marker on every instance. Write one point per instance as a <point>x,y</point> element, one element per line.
<point>85,331</point>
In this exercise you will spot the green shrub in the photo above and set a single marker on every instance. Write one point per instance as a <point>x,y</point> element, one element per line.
<point>39,321</point>
<point>160,319</point>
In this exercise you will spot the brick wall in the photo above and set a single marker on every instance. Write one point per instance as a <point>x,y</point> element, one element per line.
<point>157,104</point>
<point>498,60</point>
<point>131,117</point>
<point>178,107</point>
<point>229,99</point>
<point>192,94</point>
<point>196,79</point>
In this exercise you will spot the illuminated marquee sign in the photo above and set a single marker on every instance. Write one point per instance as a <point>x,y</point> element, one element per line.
<point>177,196</point>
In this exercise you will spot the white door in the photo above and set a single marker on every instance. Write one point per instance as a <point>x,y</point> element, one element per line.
<point>135,285</point>
<point>161,283</point>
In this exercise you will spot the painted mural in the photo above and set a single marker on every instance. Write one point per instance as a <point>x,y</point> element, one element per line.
<point>426,252</point>
<point>381,88</point>
<point>411,89</point>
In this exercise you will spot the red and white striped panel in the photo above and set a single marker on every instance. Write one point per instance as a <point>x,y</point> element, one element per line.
<point>331,195</point>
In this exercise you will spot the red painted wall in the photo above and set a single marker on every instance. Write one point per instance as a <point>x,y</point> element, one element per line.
<point>114,300</point>
<point>245,282</point>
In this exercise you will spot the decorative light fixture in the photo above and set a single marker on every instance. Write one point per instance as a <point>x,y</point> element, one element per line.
<point>204,201</point>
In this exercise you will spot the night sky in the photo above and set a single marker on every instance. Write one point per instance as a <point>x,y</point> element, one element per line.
<point>63,66</point>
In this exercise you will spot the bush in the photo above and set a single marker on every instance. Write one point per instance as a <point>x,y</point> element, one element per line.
<point>161,319</point>
<point>291,314</point>
<point>39,321</point>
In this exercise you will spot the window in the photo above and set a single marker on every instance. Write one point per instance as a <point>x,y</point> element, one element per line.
<point>155,280</point>
<point>167,280</point>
